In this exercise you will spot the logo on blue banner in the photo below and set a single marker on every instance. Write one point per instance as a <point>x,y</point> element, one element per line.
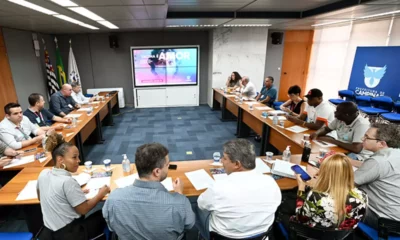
<point>376,72</point>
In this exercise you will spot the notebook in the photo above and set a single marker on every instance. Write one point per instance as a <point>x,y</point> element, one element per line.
<point>283,168</point>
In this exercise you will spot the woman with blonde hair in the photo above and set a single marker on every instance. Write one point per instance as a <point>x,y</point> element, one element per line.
<point>62,200</point>
<point>332,201</point>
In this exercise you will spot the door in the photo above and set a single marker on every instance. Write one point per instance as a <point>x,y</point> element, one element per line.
<point>296,57</point>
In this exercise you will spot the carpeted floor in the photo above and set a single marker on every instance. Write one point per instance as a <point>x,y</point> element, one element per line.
<point>190,133</point>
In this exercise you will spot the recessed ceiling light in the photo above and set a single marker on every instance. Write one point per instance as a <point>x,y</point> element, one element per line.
<point>65,3</point>
<point>69,19</point>
<point>86,13</point>
<point>33,6</point>
<point>108,24</point>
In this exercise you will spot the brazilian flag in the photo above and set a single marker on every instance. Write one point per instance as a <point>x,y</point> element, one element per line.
<point>62,77</point>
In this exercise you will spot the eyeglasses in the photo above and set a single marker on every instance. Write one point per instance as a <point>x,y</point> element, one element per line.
<point>365,137</point>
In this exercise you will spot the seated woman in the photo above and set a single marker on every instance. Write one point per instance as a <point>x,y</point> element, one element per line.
<point>295,105</point>
<point>234,80</point>
<point>62,200</point>
<point>332,201</point>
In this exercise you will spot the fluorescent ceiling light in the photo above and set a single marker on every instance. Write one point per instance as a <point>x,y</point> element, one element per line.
<point>329,23</point>
<point>379,14</point>
<point>65,3</point>
<point>33,6</point>
<point>86,13</point>
<point>108,24</point>
<point>69,19</point>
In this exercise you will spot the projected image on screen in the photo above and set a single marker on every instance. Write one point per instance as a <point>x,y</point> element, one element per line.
<point>165,66</point>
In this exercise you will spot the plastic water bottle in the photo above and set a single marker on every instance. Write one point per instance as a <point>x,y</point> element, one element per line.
<point>275,119</point>
<point>74,121</point>
<point>286,154</point>
<point>126,164</point>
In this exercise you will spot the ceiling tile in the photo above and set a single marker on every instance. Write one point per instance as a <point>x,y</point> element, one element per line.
<point>85,3</point>
<point>206,5</point>
<point>127,24</point>
<point>157,11</point>
<point>151,23</point>
<point>138,12</point>
<point>149,2</point>
<point>132,2</point>
<point>258,21</point>
<point>286,5</point>
<point>112,13</point>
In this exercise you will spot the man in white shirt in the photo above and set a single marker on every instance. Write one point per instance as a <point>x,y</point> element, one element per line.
<point>77,94</point>
<point>243,205</point>
<point>15,129</point>
<point>318,112</point>
<point>248,88</point>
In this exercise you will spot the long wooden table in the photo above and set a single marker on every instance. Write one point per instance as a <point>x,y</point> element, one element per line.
<point>86,125</point>
<point>274,137</point>
<point>10,191</point>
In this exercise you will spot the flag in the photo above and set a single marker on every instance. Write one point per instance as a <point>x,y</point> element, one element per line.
<point>62,78</point>
<point>52,84</point>
<point>73,75</point>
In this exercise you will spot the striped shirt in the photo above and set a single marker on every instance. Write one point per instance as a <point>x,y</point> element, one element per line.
<point>146,210</point>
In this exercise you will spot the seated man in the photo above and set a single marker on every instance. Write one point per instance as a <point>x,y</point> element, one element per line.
<point>243,205</point>
<point>15,129</point>
<point>379,174</point>
<point>248,88</point>
<point>77,94</point>
<point>317,113</point>
<point>350,127</point>
<point>268,92</point>
<point>37,114</point>
<point>61,103</point>
<point>146,210</point>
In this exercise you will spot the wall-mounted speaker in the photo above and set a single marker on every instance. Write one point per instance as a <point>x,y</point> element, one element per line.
<point>277,37</point>
<point>113,41</point>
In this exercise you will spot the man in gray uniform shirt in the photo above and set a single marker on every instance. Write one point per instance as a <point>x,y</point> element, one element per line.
<point>379,175</point>
<point>146,210</point>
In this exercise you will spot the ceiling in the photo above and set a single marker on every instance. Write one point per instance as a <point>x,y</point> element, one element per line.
<point>133,15</point>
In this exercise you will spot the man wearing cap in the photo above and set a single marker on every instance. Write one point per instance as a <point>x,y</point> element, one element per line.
<point>317,114</point>
<point>350,127</point>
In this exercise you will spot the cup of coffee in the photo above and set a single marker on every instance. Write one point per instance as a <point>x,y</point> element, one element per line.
<point>107,164</point>
<point>88,165</point>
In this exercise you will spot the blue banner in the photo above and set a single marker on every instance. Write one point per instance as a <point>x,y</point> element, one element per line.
<point>376,72</point>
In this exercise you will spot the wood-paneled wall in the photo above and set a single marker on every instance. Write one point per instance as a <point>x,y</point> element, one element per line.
<point>295,62</point>
<point>7,88</point>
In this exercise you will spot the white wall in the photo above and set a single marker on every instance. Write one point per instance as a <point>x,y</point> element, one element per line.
<point>238,49</point>
<point>334,49</point>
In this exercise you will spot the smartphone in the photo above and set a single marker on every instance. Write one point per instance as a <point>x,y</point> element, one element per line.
<point>173,166</point>
<point>30,150</point>
<point>303,174</point>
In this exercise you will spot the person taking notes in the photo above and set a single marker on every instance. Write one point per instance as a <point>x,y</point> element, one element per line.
<point>62,200</point>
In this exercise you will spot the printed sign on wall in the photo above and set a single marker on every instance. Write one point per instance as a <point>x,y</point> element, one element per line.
<point>376,72</point>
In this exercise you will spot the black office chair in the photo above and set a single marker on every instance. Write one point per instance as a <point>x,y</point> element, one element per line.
<point>216,236</point>
<point>387,227</point>
<point>302,231</point>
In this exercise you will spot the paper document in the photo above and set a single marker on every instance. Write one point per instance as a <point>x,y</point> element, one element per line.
<point>280,118</point>
<point>323,144</point>
<point>92,193</point>
<point>42,159</point>
<point>276,112</point>
<point>69,134</point>
<point>74,115</point>
<point>29,191</point>
<point>296,129</point>
<point>264,108</point>
<point>261,166</point>
<point>199,179</point>
<point>230,95</point>
<point>22,161</point>
<point>219,177</point>
<point>83,109</point>
<point>96,183</point>
<point>217,164</point>
<point>128,180</point>
<point>82,178</point>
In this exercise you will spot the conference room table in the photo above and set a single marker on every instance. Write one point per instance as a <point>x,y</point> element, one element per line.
<point>274,137</point>
<point>87,125</point>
